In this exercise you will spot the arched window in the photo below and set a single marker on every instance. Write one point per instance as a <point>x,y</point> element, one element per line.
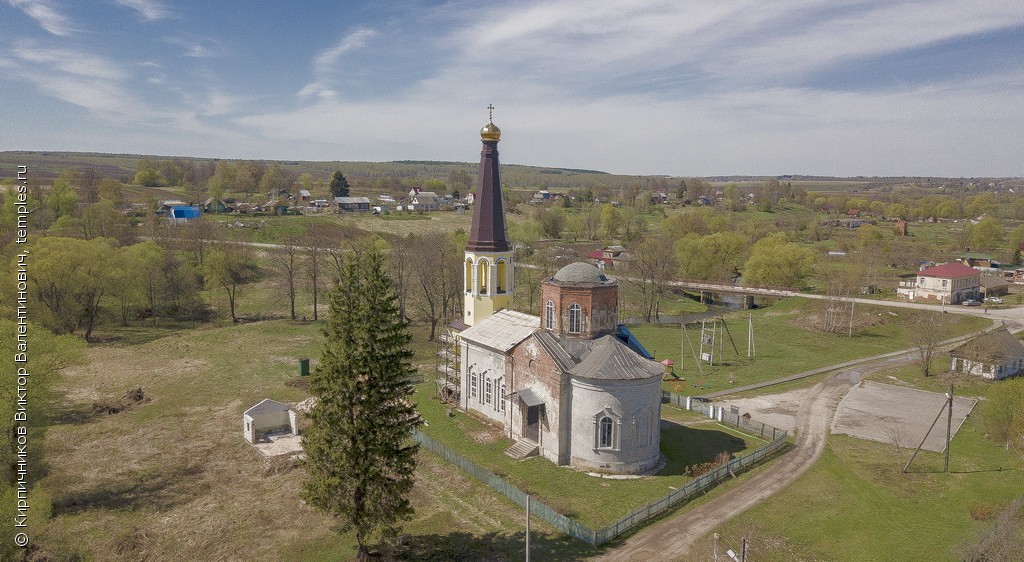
<point>469,275</point>
<point>483,270</point>
<point>575,319</point>
<point>605,428</point>
<point>549,315</point>
<point>501,282</point>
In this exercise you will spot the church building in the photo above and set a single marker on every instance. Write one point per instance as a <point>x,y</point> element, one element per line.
<point>572,385</point>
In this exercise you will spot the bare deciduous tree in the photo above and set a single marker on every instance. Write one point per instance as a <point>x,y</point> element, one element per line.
<point>437,267</point>
<point>289,267</point>
<point>926,333</point>
<point>651,269</point>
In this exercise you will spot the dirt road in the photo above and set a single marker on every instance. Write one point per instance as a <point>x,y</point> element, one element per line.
<point>672,538</point>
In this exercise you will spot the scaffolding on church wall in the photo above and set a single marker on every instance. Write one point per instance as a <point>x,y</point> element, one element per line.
<point>446,363</point>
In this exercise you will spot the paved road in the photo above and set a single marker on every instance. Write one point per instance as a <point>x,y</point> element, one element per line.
<point>673,538</point>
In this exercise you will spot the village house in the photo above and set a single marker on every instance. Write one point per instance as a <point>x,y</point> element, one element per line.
<point>218,206</point>
<point>305,196</point>
<point>168,204</point>
<point>994,355</point>
<point>276,207</point>
<point>352,204</point>
<point>425,201</point>
<point>994,286</point>
<point>951,283</point>
<point>981,262</point>
<point>607,257</point>
<point>184,213</point>
<point>572,385</point>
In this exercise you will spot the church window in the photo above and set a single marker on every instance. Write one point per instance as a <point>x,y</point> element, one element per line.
<point>488,392</point>
<point>483,271</point>
<point>605,429</point>
<point>469,276</point>
<point>549,315</point>
<point>502,396</point>
<point>575,319</point>
<point>500,282</point>
<point>472,384</point>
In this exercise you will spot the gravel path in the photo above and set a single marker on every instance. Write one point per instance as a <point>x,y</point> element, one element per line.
<point>672,538</point>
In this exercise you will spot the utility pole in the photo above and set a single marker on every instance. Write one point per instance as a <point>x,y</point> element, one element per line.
<point>852,301</point>
<point>750,336</point>
<point>918,449</point>
<point>949,425</point>
<point>527,528</point>
<point>743,552</point>
<point>716,547</point>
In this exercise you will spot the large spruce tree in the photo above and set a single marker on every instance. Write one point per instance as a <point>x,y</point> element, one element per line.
<point>339,185</point>
<point>359,455</point>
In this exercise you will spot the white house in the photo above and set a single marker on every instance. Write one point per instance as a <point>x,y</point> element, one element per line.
<point>951,283</point>
<point>426,201</point>
<point>994,355</point>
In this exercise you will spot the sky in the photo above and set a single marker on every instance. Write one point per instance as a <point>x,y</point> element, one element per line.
<point>682,88</point>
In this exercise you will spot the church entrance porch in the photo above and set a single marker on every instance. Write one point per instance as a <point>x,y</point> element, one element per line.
<point>531,407</point>
<point>531,426</point>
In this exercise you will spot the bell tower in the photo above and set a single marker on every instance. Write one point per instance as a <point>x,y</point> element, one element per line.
<point>488,274</point>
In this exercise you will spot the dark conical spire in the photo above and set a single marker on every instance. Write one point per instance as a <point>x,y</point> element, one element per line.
<point>488,232</point>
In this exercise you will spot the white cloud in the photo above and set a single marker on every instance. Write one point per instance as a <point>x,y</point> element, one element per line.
<point>326,60</point>
<point>69,61</point>
<point>214,101</point>
<point>47,17</point>
<point>148,9</point>
<point>638,86</point>
<point>317,89</point>
<point>202,48</point>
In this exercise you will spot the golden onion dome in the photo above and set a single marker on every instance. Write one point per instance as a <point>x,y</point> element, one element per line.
<point>490,132</point>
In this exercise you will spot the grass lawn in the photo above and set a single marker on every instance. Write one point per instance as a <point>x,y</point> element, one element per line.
<point>854,504</point>
<point>785,343</point>
<point>172,479</point>
<point>593,501</point>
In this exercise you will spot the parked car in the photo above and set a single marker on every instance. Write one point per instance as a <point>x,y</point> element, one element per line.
<point>971,302</point>
<point>995,300</point>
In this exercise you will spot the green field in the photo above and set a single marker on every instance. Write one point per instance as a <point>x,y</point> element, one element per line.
<point>854,504</point>
<point>785,343</point>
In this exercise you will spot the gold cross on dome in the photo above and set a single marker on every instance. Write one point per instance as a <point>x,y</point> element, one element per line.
<point>490,112</point>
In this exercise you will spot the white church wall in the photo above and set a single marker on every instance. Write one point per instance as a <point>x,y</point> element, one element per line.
<point>635,409</point>
<point>485,369</point>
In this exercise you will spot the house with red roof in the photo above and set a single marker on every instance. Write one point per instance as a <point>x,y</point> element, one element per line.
<point>951,283</point>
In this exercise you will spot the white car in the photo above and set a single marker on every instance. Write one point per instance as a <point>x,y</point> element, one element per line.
<point>995,300</point>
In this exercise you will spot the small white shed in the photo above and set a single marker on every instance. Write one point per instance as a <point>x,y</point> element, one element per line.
<point>269,416</point>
